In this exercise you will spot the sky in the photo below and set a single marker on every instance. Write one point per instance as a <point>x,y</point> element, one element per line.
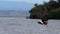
<point>29,1</point>
<point>19,4</point>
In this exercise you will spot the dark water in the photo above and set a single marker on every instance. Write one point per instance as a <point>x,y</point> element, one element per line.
<point>9,25</point>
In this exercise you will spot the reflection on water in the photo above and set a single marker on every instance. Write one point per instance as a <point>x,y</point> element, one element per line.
<point>28,26</point>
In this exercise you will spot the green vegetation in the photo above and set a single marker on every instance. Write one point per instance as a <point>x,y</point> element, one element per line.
<point>48,10</point>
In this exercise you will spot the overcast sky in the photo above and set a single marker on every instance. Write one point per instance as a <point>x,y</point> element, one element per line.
<point>18,4</point>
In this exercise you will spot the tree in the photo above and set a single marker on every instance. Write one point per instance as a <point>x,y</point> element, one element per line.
<point>46,10</point>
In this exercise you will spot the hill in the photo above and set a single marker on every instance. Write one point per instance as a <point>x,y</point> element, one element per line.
<point>13,13</point>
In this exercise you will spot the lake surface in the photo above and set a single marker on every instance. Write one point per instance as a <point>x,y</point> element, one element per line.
<point>9,25</point>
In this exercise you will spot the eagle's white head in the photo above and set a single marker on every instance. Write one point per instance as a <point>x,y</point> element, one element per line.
<point>40,21</point>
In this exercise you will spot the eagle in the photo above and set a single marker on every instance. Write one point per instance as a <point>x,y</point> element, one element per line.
<point>43,22</point>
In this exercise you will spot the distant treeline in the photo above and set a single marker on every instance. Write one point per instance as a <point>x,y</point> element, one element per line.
<point>48,10</point>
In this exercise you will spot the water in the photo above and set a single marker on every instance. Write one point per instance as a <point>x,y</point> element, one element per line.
<point>9,25</point>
